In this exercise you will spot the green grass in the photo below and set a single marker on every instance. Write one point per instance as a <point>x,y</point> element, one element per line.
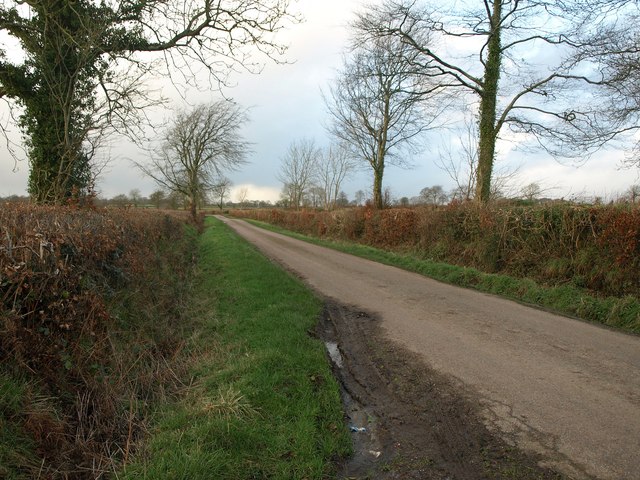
<point>17,451</point>
<point>622,313</point>
<point>263,402</point>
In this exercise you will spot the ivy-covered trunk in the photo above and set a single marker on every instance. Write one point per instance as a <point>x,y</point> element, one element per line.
<point>488,100</point>
<point>378,200</point>
<point>56,87</point>
<point>59,169</point>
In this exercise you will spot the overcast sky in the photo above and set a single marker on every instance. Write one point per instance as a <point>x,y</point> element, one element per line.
<point>286,105</point>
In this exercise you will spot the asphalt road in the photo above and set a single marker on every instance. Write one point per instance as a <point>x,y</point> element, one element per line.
<point>560,387</point>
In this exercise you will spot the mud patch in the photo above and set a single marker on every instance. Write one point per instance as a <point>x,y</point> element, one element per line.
<point>408,421</point>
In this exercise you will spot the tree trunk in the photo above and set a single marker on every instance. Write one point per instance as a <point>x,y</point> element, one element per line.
<point>193,208</point>
<point>56,98</point>
<point>378,200</point>
<point>488,100</point>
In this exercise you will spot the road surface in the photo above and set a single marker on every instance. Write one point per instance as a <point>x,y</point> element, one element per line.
<point>563,388</point>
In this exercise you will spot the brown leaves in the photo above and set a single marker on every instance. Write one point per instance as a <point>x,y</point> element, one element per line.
<point>51,258</point>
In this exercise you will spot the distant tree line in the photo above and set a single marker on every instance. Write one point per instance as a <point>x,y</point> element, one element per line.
<point>160,199</point>
<point>432,195</point>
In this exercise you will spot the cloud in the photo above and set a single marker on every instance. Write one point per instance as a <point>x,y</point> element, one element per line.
<point>13,176</point>
<point>598,177</point>
<point>255,192</point>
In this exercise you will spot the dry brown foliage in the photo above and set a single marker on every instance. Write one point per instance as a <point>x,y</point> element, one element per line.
<point>90,304</point>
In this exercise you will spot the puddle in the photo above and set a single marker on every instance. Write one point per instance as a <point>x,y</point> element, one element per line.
<point>367,446</point>
<point>334,353</point>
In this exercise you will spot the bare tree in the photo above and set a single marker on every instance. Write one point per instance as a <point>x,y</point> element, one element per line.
<point>461,164</point>
<point>316,196</point>
<point>298,170</point>
<point>197,147</point>
<point>611,41</point>
<point>157,197</point>
<point>242,195</point>
<point>379,102</point>
<point>335,165</point>
<point>82,67</point>
<point>120,200</point>
<point>342,200</point>
<point>546,99</point>
<point>531,191</point>
<point>633,194</point>
<point>176,200</point>
<point>387,197</point>
<point>221,190</point>
<point>434,195</point>
<point>285,197</point>
<point>135,196</point>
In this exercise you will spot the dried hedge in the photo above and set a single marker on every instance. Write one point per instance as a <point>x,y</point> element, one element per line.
<point>592,247</point>
<point>69,282</point>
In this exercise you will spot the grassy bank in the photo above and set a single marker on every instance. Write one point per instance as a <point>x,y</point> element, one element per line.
<point>262,402</point>
<point>619,312</point>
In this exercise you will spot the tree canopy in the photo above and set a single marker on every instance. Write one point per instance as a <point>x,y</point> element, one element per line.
<point>517,61</point>
<point>82,64</point>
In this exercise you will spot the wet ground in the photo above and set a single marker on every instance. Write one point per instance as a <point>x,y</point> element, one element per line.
<point>407,421</point>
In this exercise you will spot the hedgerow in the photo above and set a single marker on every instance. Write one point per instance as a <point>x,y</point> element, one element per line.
<point>91,303</point>
<point>591,247</point>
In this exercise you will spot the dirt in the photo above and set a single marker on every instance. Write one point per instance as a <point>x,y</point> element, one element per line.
<point>408,421</point>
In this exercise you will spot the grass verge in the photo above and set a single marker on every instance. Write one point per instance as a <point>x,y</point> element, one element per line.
<point>262,402</point>
<point>622,313</point>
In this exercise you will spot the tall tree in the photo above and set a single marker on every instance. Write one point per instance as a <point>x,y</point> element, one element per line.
<point>433,195</point>
<point>197,147</point>
<point>241,195</point>
<point>82,64</point>
<point>157,197</point>
<point>298,170</point>
<point>516,57</point>
<point>378,102</point>
<point>135,196</point>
